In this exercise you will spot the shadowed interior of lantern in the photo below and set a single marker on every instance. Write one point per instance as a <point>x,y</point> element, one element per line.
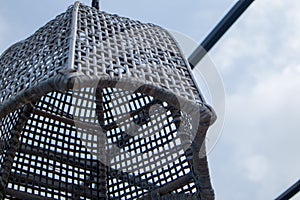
<point>90,143</point>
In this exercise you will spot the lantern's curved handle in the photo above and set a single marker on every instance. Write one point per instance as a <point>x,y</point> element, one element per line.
<point>96,4</point>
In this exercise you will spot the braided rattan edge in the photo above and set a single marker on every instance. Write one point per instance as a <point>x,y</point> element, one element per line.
<point>57,83</point>
<point>65,81</point>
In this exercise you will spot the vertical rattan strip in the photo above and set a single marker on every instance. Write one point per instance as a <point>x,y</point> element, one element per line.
<point>71,57</point>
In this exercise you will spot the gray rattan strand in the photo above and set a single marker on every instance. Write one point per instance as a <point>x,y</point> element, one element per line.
<point>97,106</point>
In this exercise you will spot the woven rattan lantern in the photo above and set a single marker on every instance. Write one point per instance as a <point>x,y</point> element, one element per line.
<point>97,106</point>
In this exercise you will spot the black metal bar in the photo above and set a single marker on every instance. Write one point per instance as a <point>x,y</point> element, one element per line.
<point>96,4</point>
<point>236,11</point>
<point>24,195</point>
<point>289,193</point>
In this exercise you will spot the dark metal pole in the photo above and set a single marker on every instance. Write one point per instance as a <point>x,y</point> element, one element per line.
<point>96,4</point>
<point>212,38</point>
<point>289,193</point>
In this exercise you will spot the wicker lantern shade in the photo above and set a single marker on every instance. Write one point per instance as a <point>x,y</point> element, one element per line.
<point>97,106</point>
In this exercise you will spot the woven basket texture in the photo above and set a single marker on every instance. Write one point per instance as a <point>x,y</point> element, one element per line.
<point>98,106</point>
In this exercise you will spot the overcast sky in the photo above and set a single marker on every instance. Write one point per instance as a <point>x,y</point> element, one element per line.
<point>257,155</point>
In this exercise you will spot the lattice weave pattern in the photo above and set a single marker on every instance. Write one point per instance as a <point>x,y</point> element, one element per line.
<point>97,106</point>
<point>108,45</point>
<point>35,59</point>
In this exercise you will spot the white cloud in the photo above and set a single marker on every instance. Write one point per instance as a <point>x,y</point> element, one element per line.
<point>267,33</point>
<point>256,168</point>
<point>264,121</point>
<point>259,59</point>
